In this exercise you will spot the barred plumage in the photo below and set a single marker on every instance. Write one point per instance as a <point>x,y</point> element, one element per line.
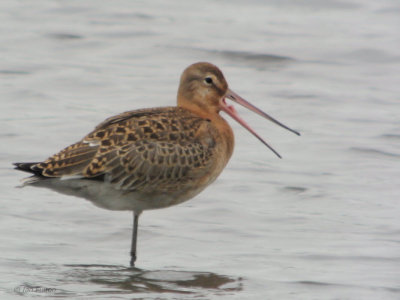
<point>135,153</point>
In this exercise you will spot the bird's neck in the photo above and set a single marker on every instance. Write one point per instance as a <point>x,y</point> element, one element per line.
<point>211,113</point>
<point>199,106</point>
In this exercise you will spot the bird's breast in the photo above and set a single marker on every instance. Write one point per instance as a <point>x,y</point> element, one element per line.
<point>218,140</point>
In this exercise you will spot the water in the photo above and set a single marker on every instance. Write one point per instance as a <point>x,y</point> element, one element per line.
<point>322,223</point>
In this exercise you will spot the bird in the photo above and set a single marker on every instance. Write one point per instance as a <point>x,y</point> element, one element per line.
<point>154,157</point>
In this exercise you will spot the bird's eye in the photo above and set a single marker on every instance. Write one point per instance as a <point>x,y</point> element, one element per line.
<point>208,80</point>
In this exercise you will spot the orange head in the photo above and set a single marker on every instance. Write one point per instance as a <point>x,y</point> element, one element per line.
<point>203,90</point>
<point>202,87</point>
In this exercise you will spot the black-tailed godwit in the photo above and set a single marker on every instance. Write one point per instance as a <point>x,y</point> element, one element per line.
<point>151,158</point>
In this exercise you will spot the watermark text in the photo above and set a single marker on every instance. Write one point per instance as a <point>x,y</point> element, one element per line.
<point>23,289</point>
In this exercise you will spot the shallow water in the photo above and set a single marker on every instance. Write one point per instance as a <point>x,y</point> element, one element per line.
<point>322,223</point>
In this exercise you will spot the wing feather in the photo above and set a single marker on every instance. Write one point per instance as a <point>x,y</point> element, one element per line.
<point>139,150</point>
<point>69,161</point>
<point>141,168</point>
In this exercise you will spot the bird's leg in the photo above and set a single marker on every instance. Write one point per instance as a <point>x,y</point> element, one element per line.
<point>134,238</point>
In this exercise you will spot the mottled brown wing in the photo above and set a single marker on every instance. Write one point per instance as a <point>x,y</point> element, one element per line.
<point>146,165</point>
<point>160,148</point>
<point>70,161</point>
<point>139,150</point>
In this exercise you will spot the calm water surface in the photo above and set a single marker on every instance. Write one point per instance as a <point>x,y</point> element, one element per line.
<point>322,223</point>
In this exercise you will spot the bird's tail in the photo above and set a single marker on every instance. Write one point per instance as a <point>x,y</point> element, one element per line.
<point>30,168</point>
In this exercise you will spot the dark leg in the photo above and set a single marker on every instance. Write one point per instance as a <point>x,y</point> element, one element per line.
<point>134,238</point>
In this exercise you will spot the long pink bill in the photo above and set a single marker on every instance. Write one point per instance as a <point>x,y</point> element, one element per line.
<point>230,110</point>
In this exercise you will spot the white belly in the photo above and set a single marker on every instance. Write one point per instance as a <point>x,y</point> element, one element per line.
<point>104,195</point>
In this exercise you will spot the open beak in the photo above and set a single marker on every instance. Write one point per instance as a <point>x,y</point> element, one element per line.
<point>230,110</point>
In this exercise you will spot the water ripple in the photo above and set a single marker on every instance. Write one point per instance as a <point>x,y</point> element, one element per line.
<point>374,151</point>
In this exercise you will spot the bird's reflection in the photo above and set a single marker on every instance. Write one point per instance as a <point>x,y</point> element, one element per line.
<point>133,280</point>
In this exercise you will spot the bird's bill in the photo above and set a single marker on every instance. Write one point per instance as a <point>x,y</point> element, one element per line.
<point>230,110</point>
